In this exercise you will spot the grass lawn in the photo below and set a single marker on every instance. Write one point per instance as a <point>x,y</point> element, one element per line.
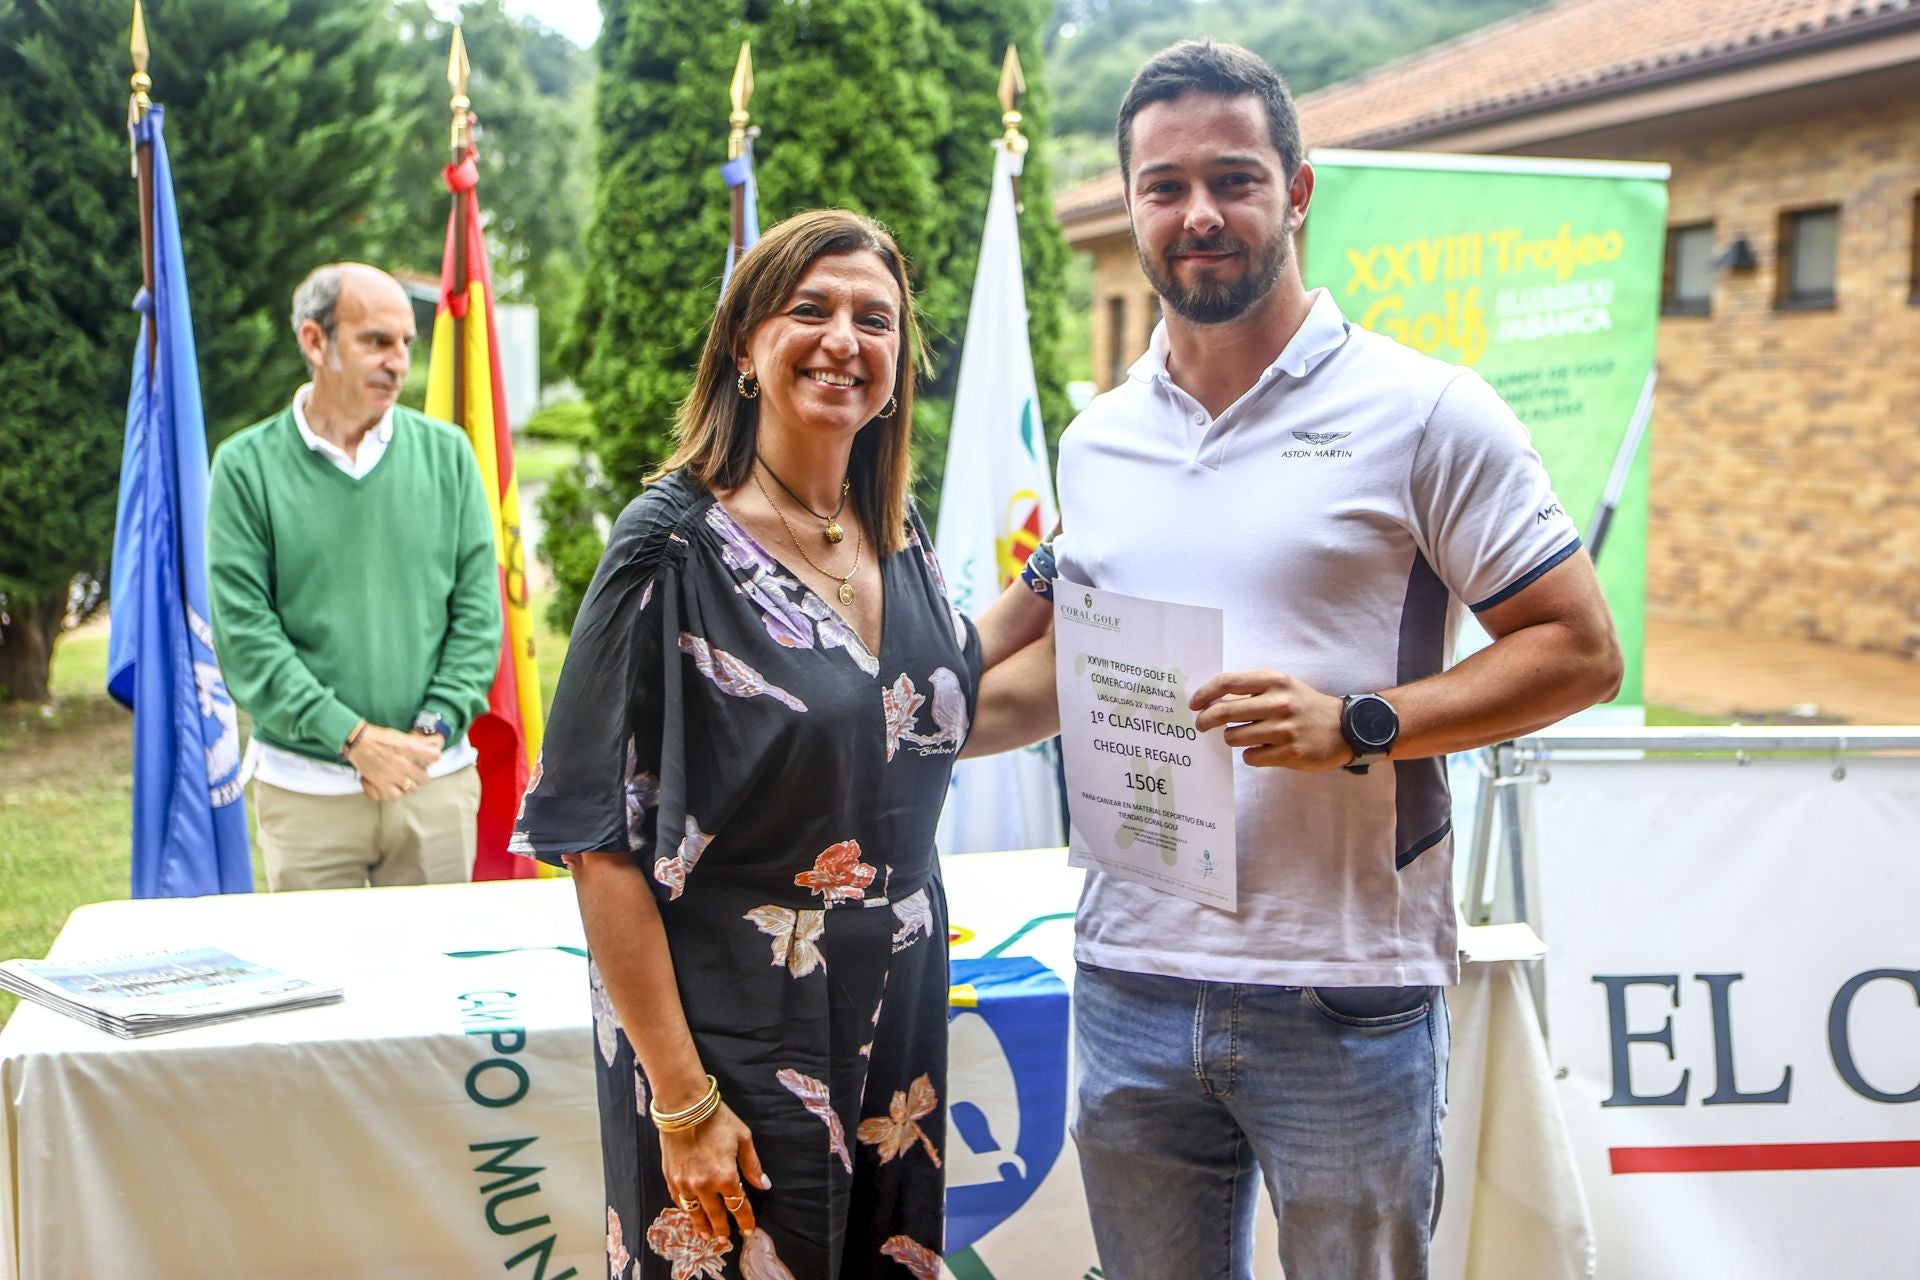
<point>66,794</point>
<point>537,461</point>
<point>1669,718</point>
<point>66,790</point>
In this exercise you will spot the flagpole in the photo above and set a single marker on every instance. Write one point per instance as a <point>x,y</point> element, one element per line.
<point>189,826</point>
<point>741,92</point>
<point>997,500</point>
<point>142,162</point>
<point>458,71</point>
<point>1013,88</point>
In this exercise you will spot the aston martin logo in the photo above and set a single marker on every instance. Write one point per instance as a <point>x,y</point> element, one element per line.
<point>1317,442</point>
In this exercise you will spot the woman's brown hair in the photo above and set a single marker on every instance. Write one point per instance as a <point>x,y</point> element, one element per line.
<point>717,432</point>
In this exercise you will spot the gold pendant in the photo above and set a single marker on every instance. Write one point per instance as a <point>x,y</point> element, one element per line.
<point>846,593</point>
<point>833,532</point>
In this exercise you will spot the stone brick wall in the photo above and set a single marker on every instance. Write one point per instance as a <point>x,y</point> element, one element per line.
<point>1786,444</point>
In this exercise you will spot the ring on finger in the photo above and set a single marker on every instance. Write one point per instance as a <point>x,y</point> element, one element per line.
<point>689,1203</point>
<point>734,1202</point>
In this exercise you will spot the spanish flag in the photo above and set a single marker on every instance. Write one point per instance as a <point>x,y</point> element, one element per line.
<point>464,387</point>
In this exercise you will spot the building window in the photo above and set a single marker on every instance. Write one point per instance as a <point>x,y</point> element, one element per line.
<point>1686,287</point>
<point>1913,280</point>
<point>1809,257</point>
<point>1116,341</point>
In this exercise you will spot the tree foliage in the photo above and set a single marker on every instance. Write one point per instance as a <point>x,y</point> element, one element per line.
<point>301,131</point>
<point>532,92</point>
<point>885,106</point>
<point>1096,45</point>
<point>283,118</point>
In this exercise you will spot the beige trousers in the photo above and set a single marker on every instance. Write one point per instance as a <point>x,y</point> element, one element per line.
<point>345,842</point>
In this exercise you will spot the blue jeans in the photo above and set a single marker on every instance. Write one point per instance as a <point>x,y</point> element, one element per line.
<point>1334,1093</point>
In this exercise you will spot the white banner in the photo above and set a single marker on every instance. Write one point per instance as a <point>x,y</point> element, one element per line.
<point>1733,1007</point>
<point>996,504</point>
<point>441,1121</point>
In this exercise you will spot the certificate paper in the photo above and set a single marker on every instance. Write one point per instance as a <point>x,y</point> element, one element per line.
<point>1151,798</point>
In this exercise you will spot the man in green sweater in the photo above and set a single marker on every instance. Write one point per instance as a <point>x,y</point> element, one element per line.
<point>356,605</point>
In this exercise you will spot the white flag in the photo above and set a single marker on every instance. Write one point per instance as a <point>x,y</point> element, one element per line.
<point>996,504</point>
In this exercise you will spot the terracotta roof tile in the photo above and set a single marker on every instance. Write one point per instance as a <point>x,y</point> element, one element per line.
<point>1560,50</point>
<point>1567,48</point>
<point>1085,199</point>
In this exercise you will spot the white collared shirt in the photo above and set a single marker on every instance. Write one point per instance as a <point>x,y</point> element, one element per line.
<point>1342,514</point>
<point>373,445</point>
<point>286,769</point>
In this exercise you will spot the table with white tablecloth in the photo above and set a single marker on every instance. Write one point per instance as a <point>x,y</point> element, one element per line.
<point>441,1122</point>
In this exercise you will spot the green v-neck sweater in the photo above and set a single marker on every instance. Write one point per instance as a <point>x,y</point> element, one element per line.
<point>336,599</point>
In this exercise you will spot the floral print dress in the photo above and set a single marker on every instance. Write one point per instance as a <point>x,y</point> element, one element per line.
<point>721,724</point>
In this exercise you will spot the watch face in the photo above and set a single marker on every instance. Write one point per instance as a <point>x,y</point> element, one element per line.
<point>1372,720</point>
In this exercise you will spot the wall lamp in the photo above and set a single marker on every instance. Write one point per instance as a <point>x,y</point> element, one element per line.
<point>1737,256</point>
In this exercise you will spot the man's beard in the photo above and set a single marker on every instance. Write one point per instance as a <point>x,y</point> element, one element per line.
<point>1210,302</point>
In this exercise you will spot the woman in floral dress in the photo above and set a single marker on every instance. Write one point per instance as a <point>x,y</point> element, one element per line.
<point>764,696</point>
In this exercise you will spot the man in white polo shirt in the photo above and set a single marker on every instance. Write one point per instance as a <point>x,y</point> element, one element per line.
<point>1342,499</point>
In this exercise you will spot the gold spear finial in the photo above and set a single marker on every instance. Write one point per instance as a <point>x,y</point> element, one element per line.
<point>1013,87</point>
<point>139,102</point>
<point>140,80</point>
<point>741,92</point>
<point>458,71</point>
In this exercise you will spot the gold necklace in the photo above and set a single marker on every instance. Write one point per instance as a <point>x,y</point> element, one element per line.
<point>860,537</point>
<point>832,532</point>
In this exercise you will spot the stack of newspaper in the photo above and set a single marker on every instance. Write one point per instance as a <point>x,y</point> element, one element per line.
<point>155,991</point>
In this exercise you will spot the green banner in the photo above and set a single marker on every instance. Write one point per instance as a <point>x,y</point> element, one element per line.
<point>1541,275</point>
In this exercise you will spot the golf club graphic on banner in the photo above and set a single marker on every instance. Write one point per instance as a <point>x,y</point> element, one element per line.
<point>1007,1027</point>
<point>1544,277</point>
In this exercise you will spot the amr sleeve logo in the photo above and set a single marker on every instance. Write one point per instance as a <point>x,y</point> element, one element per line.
<point>1006,1089</point>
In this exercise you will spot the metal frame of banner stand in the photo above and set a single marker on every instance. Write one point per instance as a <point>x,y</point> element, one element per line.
<point>1508,766</point>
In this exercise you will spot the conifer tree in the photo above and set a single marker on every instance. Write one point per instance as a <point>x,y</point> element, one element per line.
<point>283,125</point>
<point>884,106</point>
<point>531,91</point>
<point>977,37</point>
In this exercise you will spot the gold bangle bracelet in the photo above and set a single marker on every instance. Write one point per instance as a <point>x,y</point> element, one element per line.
<point>674,1117</point>
<point>692,1121</point>
<point>688,1117</point>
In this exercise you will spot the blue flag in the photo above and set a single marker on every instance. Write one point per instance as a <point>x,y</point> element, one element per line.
<point>739,173</point>
<point>189,822</point>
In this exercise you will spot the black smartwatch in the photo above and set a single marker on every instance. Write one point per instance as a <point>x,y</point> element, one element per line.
<point>1371,726</point>
<point>431,722</point>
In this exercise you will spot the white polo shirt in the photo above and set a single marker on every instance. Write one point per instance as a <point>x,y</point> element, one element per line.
<point>1341,513</point>
<point>373,445</point>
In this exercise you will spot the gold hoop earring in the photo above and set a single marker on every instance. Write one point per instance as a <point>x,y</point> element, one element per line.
<point>893,407</point>
<point>749,387</point>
